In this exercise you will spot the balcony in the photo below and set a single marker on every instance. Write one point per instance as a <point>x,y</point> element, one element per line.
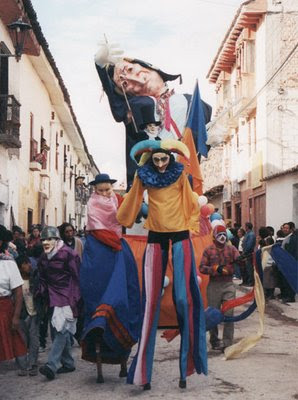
<point>10,122</point>
<point>245,96</point>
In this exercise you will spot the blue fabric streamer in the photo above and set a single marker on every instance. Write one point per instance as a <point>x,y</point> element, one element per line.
<point>214,316</point>
<point>287,265</point>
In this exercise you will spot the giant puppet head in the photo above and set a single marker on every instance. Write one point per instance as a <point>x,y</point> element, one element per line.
<point>132,84</point>
<point>139,78</point>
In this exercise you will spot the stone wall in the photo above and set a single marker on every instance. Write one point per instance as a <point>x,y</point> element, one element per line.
<point>282,92</point>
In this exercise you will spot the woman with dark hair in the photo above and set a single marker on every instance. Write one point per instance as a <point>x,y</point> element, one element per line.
<point>263,235</point>
<point>67,233</point>
<point>12,344</point>
<point>34,239</point>
<point>173,211</point>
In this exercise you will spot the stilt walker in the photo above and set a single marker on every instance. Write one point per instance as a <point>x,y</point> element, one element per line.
<point>172,211</point>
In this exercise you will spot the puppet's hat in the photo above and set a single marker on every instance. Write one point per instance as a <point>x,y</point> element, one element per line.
<point>165,76</point>
<point>148,116</point>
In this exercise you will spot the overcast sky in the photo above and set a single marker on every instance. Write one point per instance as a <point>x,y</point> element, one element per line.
<point>175,35</point>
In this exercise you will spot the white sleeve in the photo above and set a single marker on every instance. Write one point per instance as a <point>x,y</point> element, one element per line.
<point>14,275</point>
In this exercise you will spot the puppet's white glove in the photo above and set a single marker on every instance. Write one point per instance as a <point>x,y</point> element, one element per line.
<point>108,53</point>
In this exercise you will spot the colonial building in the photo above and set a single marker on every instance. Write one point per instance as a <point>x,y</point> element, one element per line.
<point>255,73</point>
<point>42,149</point>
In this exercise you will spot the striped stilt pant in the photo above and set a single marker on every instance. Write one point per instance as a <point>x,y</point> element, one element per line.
<point>187,300</point>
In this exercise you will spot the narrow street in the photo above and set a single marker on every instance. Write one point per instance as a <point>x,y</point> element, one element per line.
<point>266,372</point>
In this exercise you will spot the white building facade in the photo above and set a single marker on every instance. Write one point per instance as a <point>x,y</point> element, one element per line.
<point>256,77</point>
<point>42,150</point>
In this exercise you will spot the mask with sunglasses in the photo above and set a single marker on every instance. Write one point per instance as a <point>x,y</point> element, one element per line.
<point>161,161</point>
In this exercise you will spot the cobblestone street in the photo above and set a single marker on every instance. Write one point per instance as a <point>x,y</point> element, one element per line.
<point>266,372</point>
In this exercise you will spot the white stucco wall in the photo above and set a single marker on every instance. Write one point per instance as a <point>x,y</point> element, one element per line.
<point>282,200</point>
<point>34,85</point>
<point>9,180</point>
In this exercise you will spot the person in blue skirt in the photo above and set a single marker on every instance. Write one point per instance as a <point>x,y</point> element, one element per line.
<point>109,283</point>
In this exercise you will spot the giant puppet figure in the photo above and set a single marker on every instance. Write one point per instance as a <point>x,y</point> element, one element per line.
<point>133,86</point>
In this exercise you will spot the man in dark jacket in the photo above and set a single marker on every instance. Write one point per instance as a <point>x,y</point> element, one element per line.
<point>249,243</point>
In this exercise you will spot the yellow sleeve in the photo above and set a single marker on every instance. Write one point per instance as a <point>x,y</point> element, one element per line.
<point>191,205</point>
<point>131,204</point>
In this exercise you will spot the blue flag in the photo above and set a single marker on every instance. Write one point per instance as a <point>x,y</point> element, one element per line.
<point>196,122</point>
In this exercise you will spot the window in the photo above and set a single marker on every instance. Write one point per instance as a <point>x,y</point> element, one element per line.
<point>252,134</point>
<point>3,70</point>
<point>29,219</point>
<point>57,153</point>
<point>65,163</point>
<point>43,149</point>
<point>42,217</point>
<point>238,216</point>
<point>237,138</point>
<point>2,213</point>
<point>31,125</point>
<point>245,53</point>
<point>228,211</point>
<point>250,202</point>
<point>33,142</point>
<point>245,64</point>
<point>70,173</point>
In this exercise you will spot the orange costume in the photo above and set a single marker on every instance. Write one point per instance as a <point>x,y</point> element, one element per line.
<point>165,206</point>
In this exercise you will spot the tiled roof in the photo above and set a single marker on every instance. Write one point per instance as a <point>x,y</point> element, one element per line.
<point>248,15</point>
<point>281,173</point>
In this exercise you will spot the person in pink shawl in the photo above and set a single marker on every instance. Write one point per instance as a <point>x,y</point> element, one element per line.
<point>109,282</point>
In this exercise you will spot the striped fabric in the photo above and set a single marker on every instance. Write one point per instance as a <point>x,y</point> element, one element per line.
<point>189,307</point>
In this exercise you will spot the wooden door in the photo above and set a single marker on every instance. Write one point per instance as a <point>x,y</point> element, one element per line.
<point>259,212</point>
